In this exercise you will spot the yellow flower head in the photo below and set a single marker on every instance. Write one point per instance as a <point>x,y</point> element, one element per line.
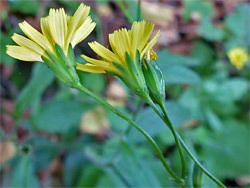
<point>121,42</point>
<point>238,57</point>
<point>57,28</point>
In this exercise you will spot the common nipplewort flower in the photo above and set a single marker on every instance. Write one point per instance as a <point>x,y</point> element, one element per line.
<point>54,46</point>
<point>124,59</point>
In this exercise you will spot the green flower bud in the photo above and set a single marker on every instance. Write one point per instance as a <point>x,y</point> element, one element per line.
<point>198,176</point>
<point>62,66</point>
<point>155,81</point>
<point>132,75</point>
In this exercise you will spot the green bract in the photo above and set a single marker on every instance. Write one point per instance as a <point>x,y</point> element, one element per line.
<point>62,66</point>
<point>132,75</point>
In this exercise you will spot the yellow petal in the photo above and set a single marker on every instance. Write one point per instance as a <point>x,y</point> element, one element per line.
<point>44,23</point>
<point>34,35</point>
<point>77,20</point>
<point>58,25</point>
<point>83,31</point>
<point>24,42</point>
<point>89,68</point>
<point>151,43</point>
<point>22,53</point>
<point>102,64</point>
<point>135,35</point>
<point>148,28</point>
<point>113,44</point>
<point>120,43</point>
<point>103,52</point>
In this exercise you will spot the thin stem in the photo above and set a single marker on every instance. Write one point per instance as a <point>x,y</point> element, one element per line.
<point>169,124</point>
<point>189,152</point>
<point>138,10</point>
<point>144,133</point>
<point>176,140</point>
<point>200,165</point>
<point>125,11</point>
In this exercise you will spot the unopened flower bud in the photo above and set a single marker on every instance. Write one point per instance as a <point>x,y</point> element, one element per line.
<point>198,176</point>
<point>155,81</point>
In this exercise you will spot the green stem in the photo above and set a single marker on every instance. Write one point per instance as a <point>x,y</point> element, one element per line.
<point>138,11</point>
<point>152,142</point>
<point>200,165</point>
<point>189,152</point>
<point>176,140</point>
<point>169,124</point>
<point>125,11</point>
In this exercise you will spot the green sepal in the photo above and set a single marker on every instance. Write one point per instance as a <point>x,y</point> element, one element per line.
<point>120,68</point>
<point>62,67</point>
<point>137,58</point>
<point>71,56</point>
<point>61,56</point>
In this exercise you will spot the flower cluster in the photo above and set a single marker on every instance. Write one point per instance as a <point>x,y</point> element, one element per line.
<point>130,58</point>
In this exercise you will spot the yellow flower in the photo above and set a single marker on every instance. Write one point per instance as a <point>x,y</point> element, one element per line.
<point>57,28</point>
<point>121,42</point>
<point>238,57</point>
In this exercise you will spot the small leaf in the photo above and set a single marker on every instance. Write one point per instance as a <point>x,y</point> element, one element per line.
<point>60,116</point>
<point>41,78</point>
<point>181,75</point>
<point>24,174</point>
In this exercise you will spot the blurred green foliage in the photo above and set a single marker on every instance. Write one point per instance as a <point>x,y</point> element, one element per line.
<point>207,102</point>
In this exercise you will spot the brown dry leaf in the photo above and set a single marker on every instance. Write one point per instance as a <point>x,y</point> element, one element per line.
<point>157,13</point>
<point>116,94</point>
<point>243,181</point>
<point>7,151</point>
<point>95,122</point>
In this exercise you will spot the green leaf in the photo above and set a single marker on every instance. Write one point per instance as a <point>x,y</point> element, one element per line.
<point>213,120</point>
<point>25,7</point>
<point>204,8</point>
<point>175,68</point>
<point>181,75</point>
<point>167,59</point>
<point>24,174</point>
<point>5,59</point>
<point>94,82</point>
<point>234,88</point>
<point>60,116</point>
<point>226,153</point>
<point>41,78</point>
<point>128,164</point>
<point>152,124</point>
<point>203,52</point>
<point>209,31</point>
<point>90,176</point>
<point>73,165</point>
<point>237,23</point>
<point>43,159</point>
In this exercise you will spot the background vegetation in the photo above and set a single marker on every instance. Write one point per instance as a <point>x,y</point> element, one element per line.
<point>54,136</point>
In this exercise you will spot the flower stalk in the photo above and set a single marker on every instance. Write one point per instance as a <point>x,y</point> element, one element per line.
<point>163,117</point>
<point>143,132</point>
